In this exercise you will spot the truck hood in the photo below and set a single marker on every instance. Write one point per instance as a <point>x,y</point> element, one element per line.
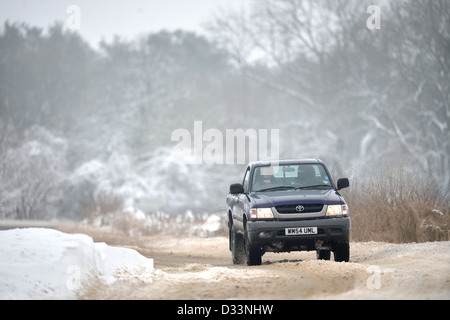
<point>277,198</point>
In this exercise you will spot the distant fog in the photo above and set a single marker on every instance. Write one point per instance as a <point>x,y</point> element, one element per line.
<point>86,131</point>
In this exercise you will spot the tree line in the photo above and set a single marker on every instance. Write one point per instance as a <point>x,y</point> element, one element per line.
<point>84,130</point>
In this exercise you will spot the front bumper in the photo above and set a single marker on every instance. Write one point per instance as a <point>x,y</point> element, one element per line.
<point>270,235</point>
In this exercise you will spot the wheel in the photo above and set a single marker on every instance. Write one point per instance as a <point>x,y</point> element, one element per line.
<point>237,246</point>
<point>341,251</point>
<point>253,254</point>
<point>323,254</point>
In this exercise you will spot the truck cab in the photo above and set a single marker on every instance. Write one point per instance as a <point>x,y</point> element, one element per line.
<point>288,205</point>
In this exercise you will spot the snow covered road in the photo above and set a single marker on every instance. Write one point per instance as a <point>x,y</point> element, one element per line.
<point>201,268</point>
<point>41,263</point>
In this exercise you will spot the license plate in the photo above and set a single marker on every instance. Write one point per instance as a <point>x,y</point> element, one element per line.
<point>300,231</point>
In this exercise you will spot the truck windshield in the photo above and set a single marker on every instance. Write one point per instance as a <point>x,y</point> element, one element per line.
<point>292,176</point>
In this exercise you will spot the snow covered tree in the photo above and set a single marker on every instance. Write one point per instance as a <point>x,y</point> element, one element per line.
<point>363,95</point>
<point>30,175</point>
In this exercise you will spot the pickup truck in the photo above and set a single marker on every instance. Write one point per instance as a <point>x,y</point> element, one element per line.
<point>287,205</point>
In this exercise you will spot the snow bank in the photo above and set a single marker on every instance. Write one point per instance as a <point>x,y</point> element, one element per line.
<point>38,263</point>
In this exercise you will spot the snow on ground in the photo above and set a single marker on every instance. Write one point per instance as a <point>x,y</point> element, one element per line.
<point>39,263</point>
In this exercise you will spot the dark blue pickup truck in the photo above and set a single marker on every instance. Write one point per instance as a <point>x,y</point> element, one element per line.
<point>288,205</point>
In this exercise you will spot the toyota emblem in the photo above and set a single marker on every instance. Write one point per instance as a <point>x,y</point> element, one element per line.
<point>300,208</point>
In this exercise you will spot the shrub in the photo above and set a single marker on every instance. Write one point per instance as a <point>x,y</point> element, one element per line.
<point>396,206</point>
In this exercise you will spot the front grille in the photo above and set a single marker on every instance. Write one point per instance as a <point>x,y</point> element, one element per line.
<point>292,208</point>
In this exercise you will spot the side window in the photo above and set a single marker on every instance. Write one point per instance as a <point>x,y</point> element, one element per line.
<point>246,179</point>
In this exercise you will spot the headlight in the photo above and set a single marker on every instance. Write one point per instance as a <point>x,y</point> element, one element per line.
<point>337,210</point>
<point>261,213</point>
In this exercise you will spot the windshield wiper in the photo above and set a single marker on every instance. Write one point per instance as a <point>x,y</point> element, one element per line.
<point>314,186</point>
<point>276,188</point>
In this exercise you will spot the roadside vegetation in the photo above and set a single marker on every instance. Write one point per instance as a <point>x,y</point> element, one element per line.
<point>393,205</point>
<point>388,205</point>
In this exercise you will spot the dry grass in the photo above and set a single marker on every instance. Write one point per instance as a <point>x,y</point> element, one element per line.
<point>393,205</point>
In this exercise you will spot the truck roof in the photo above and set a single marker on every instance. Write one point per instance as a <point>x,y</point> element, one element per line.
<point>282,162</point>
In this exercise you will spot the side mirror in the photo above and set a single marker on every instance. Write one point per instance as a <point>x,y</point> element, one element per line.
<point>236,188</point>
<point>342,183</point>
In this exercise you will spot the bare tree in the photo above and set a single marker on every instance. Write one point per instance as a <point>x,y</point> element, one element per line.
<point>387,90</point>
<point>408,90</point>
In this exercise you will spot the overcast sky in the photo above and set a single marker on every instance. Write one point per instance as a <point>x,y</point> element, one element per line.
<point>101,19</point>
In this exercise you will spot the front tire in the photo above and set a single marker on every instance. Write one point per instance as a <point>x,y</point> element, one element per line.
<point>237,246</point>
<point>323,254</point>
<point>341,251</point>
<point>253,254</point>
